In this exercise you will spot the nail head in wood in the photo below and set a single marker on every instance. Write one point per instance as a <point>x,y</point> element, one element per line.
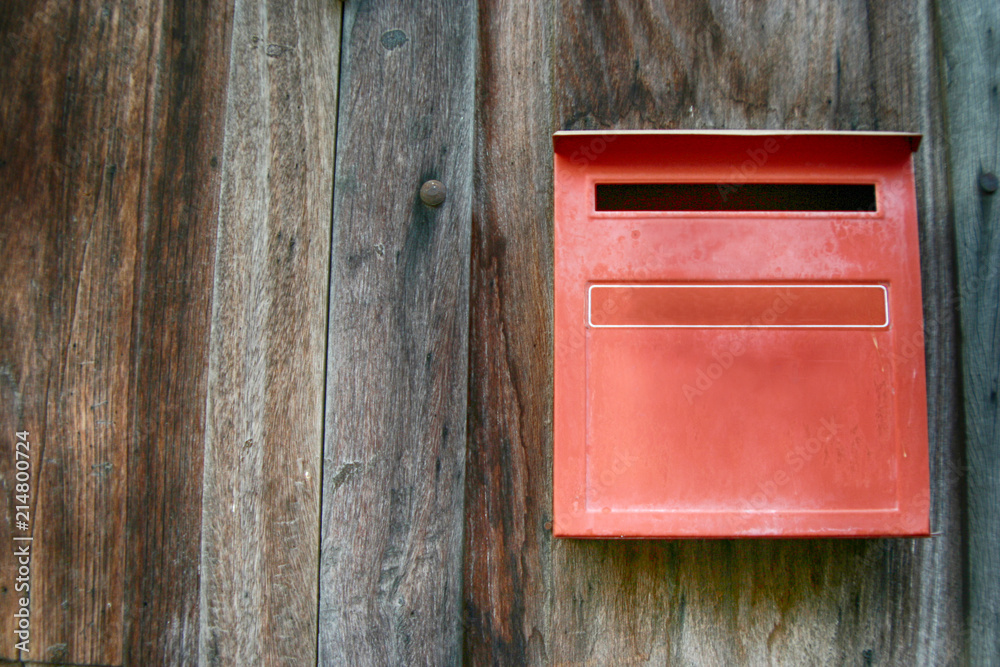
<point>432,193</point>
<point>988,182</point>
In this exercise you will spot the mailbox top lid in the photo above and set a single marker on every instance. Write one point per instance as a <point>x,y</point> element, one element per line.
<point>567,140</point>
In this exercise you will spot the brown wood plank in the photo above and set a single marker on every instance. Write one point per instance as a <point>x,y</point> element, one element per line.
<point>508,465</point>
<point>391,564</point>
<point>265,380</point>
<point>74,80</point>
<point>729,65</point>
<point>970,55</point>
<point>177,212</point>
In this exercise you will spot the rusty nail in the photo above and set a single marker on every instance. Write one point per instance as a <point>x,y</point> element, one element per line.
<point>988,182</point>
<point>432,193</point>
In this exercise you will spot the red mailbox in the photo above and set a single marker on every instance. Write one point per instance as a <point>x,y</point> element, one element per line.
<point>738,336</point>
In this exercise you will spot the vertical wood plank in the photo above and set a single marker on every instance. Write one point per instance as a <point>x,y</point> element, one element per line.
<point>970,34</point>
<point>108,140</point>
<point>696,65</point>
<point>74,78</point>
<point>391,563</point>
<point>936,604</point>
<point>508,468</point>
<point>260,553</point>
<point>177,216</point>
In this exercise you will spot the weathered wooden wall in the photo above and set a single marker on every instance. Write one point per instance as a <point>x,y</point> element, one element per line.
<point>677,64</point>
<point>970,68</point>
<point>165,187</point>
<point>284,412</point>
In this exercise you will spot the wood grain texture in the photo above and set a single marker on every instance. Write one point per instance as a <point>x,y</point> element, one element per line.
<point>265,381</point>
<point>970,36</point>
<point>938,615</point>
<point>508,466</point>
<point>74,79</point>
<point>177,212</point>
<point>391,564</point>
<point>109,213</point>
<point>694,65</point>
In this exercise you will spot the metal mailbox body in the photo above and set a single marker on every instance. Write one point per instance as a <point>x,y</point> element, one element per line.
<point>738,336</point>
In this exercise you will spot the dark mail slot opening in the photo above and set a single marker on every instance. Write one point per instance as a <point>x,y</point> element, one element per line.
<point>735,197</point>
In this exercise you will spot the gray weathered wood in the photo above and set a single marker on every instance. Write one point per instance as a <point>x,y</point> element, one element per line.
<point>722,65</point>
<point>970,34</point>
<point>938,614</point>
<point>263,441</point>
<point>391,564</point>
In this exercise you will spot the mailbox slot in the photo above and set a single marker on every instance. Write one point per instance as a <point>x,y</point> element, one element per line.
<point>735,197</point>
<point>738,336</point>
